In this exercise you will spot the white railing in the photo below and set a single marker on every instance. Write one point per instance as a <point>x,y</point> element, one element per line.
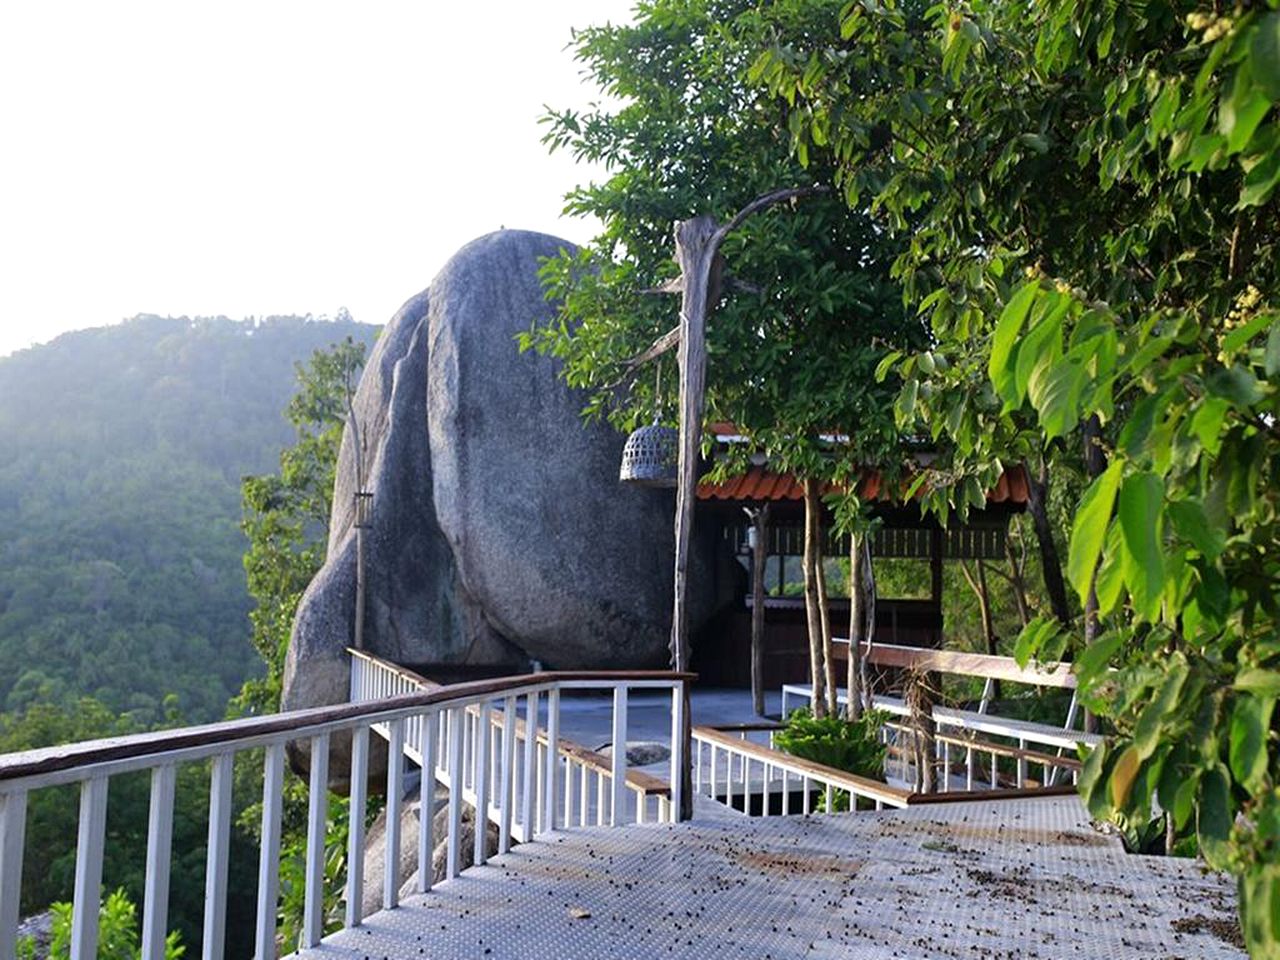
<point>968,725</point>
<point>967,763</point>
<point>526,794</point>
<point>587,778</point>
<point>724,761</point>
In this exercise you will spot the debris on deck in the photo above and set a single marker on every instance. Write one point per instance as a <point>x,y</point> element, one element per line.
<point>1010,879</point>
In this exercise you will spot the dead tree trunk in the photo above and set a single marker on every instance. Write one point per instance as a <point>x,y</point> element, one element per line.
<point>812,557</point>
<point>857,625</point>
<point>759,555</point>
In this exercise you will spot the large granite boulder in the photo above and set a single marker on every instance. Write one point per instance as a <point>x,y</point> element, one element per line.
<point>414,610</point>
<point>500,534</point>
<point>571,565</point>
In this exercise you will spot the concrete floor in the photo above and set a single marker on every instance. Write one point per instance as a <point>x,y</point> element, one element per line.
<point>1014,879</point>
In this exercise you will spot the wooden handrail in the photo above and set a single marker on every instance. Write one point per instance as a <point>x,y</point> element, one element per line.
<point>637,780</point>
<point>1056,673</point>
<point>840,779</point>
<point>46,760</point>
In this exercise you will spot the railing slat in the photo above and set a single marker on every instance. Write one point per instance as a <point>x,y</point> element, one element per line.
<point>395,799</point>
<point>155,912</point>
<point>618,775</point>
<point>215,871</point>
<point>88,883</point>
<point>13,826</point>
<point>427,802</point>
<point>679,746</point>
<point>484,729</point>
<point>355,826</point>
<point>317,822</point>
<point>269,852</point>
<point>457,730</point>
<point>530,820</point>
<point>508,770</point>
<point>553,739</point>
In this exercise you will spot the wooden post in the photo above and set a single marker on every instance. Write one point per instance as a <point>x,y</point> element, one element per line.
<point>857,627</point>
<point>695,253</point>
<point>812,557</point>
<point>759,555</point>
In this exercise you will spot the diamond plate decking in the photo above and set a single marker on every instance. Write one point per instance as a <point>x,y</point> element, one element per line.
<point>1020,879</point>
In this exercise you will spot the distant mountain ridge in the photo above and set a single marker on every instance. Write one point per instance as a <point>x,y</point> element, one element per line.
<point>121,453</point>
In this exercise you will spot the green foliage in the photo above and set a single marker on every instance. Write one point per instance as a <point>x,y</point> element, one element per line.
<point>286,514</point>
<point>293,882</point>
<point>117,933</point>
<point>1090,192</point>
<point>850,745</point>
<point>119,499</point>
<point>689,136</point>
<point>48,866</point>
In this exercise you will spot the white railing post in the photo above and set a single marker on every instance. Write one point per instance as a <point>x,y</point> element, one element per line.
<point>88,883</point>
<point>584,795</point>
<point>427,802</point>
<point>457,730</point>
<point>553,753</point>
<point>155,913</point>
<point>13,826</point>
<point>395,797</point>
<point>529,821</point>
<point>679,746</point>
<point>507,767</point>
<point>219,846</point>
<point>355,826</point>
<point>618,803</point>
<point>484,722</point>
<point>269,852</point>
<point>317,821</point>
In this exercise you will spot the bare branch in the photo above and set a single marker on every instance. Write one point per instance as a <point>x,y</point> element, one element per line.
<point>674,285</point>
<point>760,203</point>
<point>656,349</point>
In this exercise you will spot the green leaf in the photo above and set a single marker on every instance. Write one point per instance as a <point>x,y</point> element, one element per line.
<point>1146,733</point>
<point>1260,181</point>
<point>1250,721</point>
<point>904,407</point>
<point>1271,356</point>
<point>1140,508</point>
<point>1206,423</point>
<point>1123,775</point>
<point>885,365</point>
<point>1259,681</point>
<point>1109,583</point>
<point>1235,384</point>
<point>1240,114</point>
<point>1054,390</point>
<point>1240,336</point>
<point>1089,528</point>
<point>1214,819</point>
<point>1192,524</point>
<point>1007,329</point>
<point>1264,51</point>
<point>1094,660</point>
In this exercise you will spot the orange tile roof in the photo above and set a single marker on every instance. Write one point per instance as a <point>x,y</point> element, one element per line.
<point>761,484</point>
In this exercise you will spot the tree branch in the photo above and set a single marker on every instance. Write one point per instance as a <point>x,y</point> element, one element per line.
<point>760,203</point>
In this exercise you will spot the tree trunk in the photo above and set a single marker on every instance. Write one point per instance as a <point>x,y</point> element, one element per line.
<point>1037,505</point>
<point>824,618</point>
<point>759,555</point>
<point>978,584</point>
<point>857,627</point>
<point>812,557</point>
<point>695,253</point>
<point>1017,581</point>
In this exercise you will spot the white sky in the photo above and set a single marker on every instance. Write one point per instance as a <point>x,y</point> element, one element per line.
<point>249,158</point>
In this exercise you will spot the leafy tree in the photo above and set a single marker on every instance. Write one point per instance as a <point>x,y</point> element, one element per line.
<point>803,308</point>
<point>286,515</point>
<point>117,933</point>
<point>1090,194</point>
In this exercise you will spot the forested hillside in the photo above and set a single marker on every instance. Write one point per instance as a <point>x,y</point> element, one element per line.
<point>121,454</point>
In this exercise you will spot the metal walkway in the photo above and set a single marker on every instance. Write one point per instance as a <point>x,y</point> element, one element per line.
<point>1014,879</point>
